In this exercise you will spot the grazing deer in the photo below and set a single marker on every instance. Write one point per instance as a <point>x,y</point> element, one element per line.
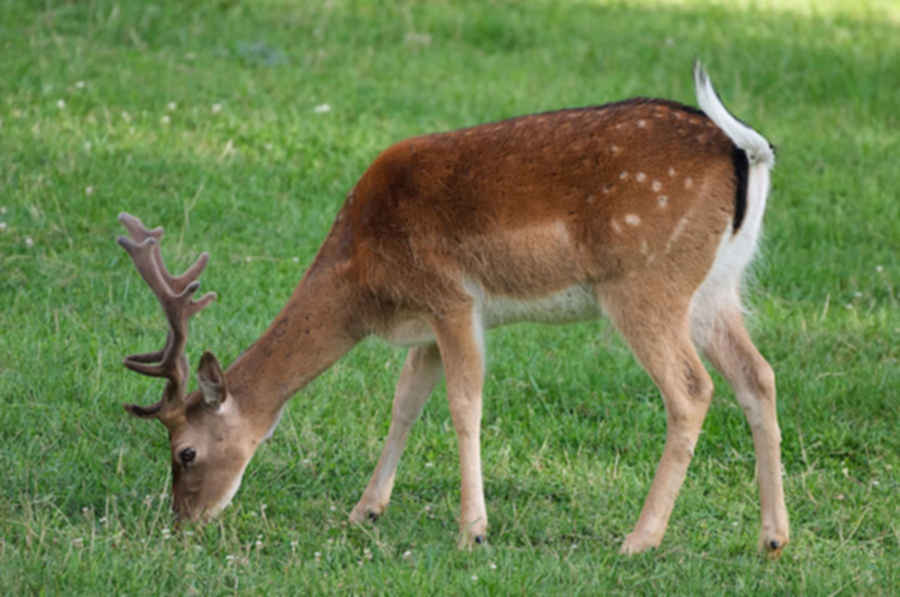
<point>644,210</point>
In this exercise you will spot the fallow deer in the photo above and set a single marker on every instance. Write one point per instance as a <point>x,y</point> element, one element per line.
<point>645,210</point>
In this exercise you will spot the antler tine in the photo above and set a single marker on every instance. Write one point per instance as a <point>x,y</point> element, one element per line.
<point>140,233</point>
<point>175,295</point>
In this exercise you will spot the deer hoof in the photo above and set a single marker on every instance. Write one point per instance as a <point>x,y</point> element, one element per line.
<point>772,546</point>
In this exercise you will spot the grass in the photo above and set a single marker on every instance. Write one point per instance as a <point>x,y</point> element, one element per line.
<point>203,117</point>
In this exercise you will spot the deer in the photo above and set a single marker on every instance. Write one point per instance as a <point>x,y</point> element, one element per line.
<point>644,211</point>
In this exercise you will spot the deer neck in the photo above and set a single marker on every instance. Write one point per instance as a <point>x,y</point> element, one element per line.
<point>316,327</point>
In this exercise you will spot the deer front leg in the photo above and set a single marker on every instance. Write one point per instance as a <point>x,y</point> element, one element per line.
<point>731,351</point>
<point>420,372</point>
<point>460,339</point>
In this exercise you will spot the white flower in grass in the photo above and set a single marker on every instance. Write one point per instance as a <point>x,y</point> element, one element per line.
<point>79,84</point>
<point>322,109</point>
<point>879,268</point>
<point>165,119</point>
<point>29,242</point>
<point>2,226</point>
<point>492,566</point>
<point>216,108</point>
<point>475,578</point>
<point>407,555</point>
<point>61,103</point>
<point>417,39</point>
<point>171,106</point>
<point>126,116</point>
<point>89,190</point>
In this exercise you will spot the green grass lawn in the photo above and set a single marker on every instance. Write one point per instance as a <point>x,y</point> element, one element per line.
<point>240,126</point>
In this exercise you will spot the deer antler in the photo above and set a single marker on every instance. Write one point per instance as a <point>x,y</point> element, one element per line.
<point>175,296</point>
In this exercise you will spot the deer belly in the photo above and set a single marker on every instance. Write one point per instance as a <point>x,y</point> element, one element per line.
<point>575,303</point>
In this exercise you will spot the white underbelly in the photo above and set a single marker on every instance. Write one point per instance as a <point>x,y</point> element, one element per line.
<point>576,303</point>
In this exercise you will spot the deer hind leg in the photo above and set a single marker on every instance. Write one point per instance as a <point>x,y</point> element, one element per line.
<point>420,372</point>
<point>725,342</point>
<point>661,342</point>
<point>460,339</point>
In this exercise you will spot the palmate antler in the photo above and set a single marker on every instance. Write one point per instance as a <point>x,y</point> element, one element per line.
<point>175,296</point>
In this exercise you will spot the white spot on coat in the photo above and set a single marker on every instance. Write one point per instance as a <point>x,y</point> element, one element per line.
<point>679,228</point>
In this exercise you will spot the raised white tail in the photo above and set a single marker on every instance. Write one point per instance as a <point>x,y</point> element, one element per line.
<point>759,150</point>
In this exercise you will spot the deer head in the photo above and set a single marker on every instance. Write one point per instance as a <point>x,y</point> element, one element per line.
<point>210,446</point>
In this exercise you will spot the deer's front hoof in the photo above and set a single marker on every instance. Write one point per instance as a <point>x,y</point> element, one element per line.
<point>636,543</point>
<point>363,513</point>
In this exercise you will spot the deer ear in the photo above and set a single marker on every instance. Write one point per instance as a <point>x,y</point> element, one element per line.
<point>212,380</point>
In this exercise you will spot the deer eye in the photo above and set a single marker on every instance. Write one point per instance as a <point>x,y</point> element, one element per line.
<point>187,456</point>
